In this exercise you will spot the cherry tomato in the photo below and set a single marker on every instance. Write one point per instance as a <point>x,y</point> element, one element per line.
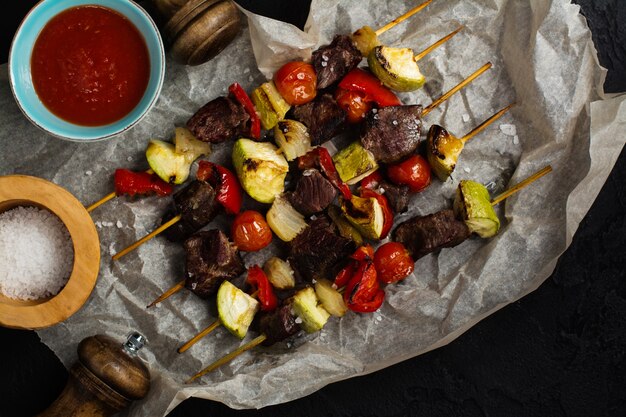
<point>296,82</point>
<point>250,232</point>
<point>413,172</point>
<point>393,262</point>
<point>354,103</point>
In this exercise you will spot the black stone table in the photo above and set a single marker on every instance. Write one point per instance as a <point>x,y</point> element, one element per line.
<point>560,351</point>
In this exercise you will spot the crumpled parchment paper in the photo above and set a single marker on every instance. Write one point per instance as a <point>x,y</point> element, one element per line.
<point>544,60</point>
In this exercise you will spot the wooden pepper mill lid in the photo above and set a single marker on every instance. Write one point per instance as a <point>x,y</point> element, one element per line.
<point>198,30</point>
<point>116,364</point>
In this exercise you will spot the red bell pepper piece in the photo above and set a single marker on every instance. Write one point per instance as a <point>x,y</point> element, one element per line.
<point>363,293</point>
<point>384,204</point>
<point>363,253</point>
<point>263,286</point>
<point>227,186</point>
<point>364,81</point>
<point>132,183</point>
<point>320,157</point>
<point>242,97</point>
<point>343,277</point>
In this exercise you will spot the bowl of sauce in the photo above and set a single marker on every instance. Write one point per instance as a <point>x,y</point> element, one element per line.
<point>86,70</point>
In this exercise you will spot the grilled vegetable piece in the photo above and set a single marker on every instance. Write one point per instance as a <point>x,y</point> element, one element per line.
<point>187,144</point>
<point>396,68</point>
<point>443,151</point>
<point>219,120</point>
<point>354,163</point>
<point>472,204</point>
<point>317,250</point>
<point>332,62</point>
<point>344,227</point>
<point>235,308</point>
<point>422,235</point>
<point>365,40</point>
<point>279,324</point>
<point>271,106</point>
<point>210,259</point>
<point>260,168</point>
<point>331,299</point>
<point>392,133</point>
<point>323,117</point>
<point>307,307</point>
<point>285,221</point>
<point>366,214</point>
<point>279,273</point>
<point>169,165</point>
<point>313,193</point>
<point>292,138</point>
<point>197,205</point>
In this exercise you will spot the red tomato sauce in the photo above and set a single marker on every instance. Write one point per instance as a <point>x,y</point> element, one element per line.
<point>90,65</point>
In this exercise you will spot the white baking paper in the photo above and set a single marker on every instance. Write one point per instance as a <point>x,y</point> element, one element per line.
<point>543,59</point>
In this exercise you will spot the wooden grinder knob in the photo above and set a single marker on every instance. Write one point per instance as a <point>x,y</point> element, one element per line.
<point>107,378</point>
<point>197,30</point>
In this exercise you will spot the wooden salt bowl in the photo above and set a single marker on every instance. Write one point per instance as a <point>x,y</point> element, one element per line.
<point>22,190</point>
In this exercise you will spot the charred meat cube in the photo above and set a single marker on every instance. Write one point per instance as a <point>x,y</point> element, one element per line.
<point>278,324</point>
<point>322,116</point>
<point>425,234</point>
<point>313,193</point>
<point>397,195</point>
<point>219,120</point>
<point>332,62</point>
<point>317,251</point>
<point>197,206</point>
<point>392,133</point>
<point>211,258</point>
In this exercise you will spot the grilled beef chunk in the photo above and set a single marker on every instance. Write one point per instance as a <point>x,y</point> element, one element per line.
<point>211,259</point>
<point>219,120</point>
<point>332,62</point>
<point>392,133</point>
<point>313,193</point>
<point>397,195</point>
<point>317,250</point>
<point>425,234</point>
<point>197,205</point>
<point>322,116</point>
<point>278,324</point>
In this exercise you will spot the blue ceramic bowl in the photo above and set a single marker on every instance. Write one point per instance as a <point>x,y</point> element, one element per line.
<point>22,84</point>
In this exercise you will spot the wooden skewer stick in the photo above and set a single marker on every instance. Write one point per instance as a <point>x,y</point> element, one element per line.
<point>232,355</point>
<point>437,44</point>
<point>217,323</point>
<point>402,18</point>
<point>107,197</point>
<point>486,123</point>
<point>149,236</point>
<point>521,185</point>
<point>455,89</point>
<point>177,287</point>
<point>255,342</point>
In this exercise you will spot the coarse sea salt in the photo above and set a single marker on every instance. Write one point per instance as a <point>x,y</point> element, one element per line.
<point>36,253</point>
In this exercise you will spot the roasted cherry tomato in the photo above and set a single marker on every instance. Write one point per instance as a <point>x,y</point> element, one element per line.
<point>413,172</point>
<point>250,231</point>
<point>393,262</point>
<point>296,82</point>
<point>265,292</point>
<point>354,103</point>
<point>372,181</point>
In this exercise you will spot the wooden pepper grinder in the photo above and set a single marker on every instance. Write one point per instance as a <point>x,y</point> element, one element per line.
<point>107,377</point>
<point>197,30</point>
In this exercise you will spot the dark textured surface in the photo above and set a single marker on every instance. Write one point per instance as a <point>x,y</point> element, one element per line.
<point>560,351</point>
